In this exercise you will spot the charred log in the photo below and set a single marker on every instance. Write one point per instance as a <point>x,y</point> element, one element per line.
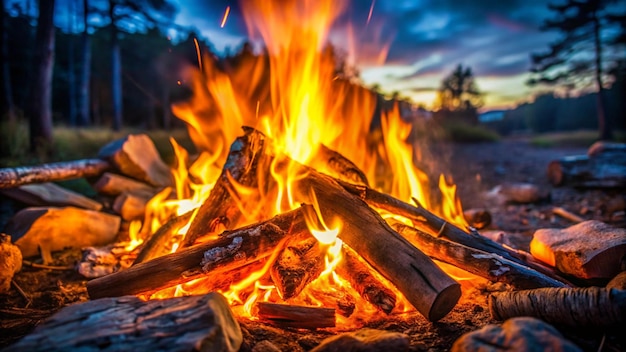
<point>292,316</point>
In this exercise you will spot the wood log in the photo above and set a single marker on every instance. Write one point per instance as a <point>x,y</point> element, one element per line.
<point>220,211</point>
<point>477,218</point>
<point>335,164</point>
<point>484,264</point>
<point>602,167</point>
<point>130,324</point>
<point>156,245</point>
<point>424,219</point>
<point>292,316</point>
<point>10,262</point>
<point>113,184</point>
<point>53,229</point>
<point>137,157</point>
<point>299,263</point>
<point>589,307</point>
<point>360,277</point>
<point>16,176</point>
<point>425,285</point>
<point>567,215</point>
<point>131,206</point>
<point>49,194</point>
<point>230,250</point>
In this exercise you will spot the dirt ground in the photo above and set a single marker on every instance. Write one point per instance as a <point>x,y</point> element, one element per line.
<point>475,168</point>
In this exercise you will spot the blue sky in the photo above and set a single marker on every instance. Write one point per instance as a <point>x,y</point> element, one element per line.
<point>426,39</point>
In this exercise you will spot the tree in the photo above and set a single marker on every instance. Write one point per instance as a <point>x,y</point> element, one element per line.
<point>40,112</point>
<point>579,57</point>
<point>84,80</point>
<point>459,95</point>
<point>6,99</point>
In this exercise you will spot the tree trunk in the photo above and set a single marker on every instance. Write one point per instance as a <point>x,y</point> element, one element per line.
<point>83,86</point>
<point>7,92</point>
<point>603,123</point>
<point>41,110</point>
<point>116,70</point>
<point>167,109</point>
<point>71,75</point>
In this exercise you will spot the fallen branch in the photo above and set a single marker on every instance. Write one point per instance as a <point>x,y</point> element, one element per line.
<point>567,215</point>
<point>593,306</point>
<point>16,176</point>
<point>292,316</point>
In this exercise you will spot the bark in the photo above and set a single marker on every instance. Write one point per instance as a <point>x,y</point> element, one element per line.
<point>71,74</point>
<point>40,113</point>
<point>66,170</point>
<point>232,249</point>
<point>484,264</point>
<point>7,90</point>
<point>85,74</point>
<point>299,317</point>
<point>116,69</point>
<point>590,307</point>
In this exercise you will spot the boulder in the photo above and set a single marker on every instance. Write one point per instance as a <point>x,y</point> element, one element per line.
<point>365,340</point>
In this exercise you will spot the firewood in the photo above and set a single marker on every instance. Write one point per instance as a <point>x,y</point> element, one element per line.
<point>220,211</point>
<point>131,206</point>
<point>567,215</point>
<point>230,250</point>
<point>113,184</point>
<point>49,194</point>
<point>477,218</point>
<point>10,262</point>
<point>360,277</point>
<point>484,264</point>
<point>292,316</point>
<point>49,229</point>
<point>604,166</point>
<point>519,193</point>
<point>298,263</point>
<point>430,290</point>
<point>156,244</point>
<point>592,306</point>
<point>15,176</point>
<point>591,249</point>
<point>137,157</point>
<point>334,164</point>
<point>129,324</point>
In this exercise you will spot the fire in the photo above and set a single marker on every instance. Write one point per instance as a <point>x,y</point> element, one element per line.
<point>293,95</point>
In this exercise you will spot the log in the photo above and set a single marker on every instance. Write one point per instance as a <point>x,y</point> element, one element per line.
<point>10,262</point>
<point>360,277</point>
<point>220,211</point>
<point>131,206</point>
<point>16,176</point>
<point>113,184</point>
<point>567,215</point>
<point>421,217</point>
<point>49,194</point>
<point>430,290</point>
<point>484,264</point>
<point>299,263</point>
<point>53,229</point>
<point>586,307</point>
<point>335,164</point>
<point>292,316</point>
<point>604,166</point>
<point>232,249</point>
<point>156,245</point>
<point>129,324</point>
<point>137,157</point>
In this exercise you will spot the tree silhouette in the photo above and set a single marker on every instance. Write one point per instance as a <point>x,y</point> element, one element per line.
<point>579,57</point>
<point>459,95</point>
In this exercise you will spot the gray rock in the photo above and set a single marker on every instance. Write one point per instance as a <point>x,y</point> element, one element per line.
<point>365,340</point>
<point>265,346</point>
<point>517,334</point>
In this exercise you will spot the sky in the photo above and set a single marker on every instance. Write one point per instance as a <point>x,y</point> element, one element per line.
<point>425,39</point>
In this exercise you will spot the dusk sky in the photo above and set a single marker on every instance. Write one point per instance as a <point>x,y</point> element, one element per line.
<point>426,40</point>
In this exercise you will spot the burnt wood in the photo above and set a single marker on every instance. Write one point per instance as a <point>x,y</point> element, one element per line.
<point>292,316</point>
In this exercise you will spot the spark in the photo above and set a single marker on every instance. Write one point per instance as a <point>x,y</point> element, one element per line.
<point>369,16</point>
<point>195,40</point>
<point>225,16</point>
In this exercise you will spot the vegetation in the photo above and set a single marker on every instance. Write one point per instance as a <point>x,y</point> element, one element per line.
<point>459,97</point>
<point>582,138</point>
<point>462,132</point>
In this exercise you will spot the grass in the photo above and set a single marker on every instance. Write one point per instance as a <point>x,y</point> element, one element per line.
<point>464,133</point>
<point>582,138</point>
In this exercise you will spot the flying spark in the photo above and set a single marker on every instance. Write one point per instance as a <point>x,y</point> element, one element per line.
<point>369,16</point>
<point>225,16</point>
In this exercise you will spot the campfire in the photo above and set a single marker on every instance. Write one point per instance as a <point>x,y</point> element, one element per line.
<point>291,209</point>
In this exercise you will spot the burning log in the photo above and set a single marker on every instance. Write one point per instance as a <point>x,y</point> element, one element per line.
<point>592,306</point>
<point>359,275</point>
<point>484,264</point>
<point>299,263</point>
<point>232,249</point>
<point>16,176</point>
<point>128,323</point>
<point>425,285</point>
<point>436,225</point>
<point>113,184</point>
<point>292,316</point>
<point>155,246</point>
<point>49,194</point>
<point>338,166</point>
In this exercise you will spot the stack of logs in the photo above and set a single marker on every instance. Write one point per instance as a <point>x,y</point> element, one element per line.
<point>400,253</point>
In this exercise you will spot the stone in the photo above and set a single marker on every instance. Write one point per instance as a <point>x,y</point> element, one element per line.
<point>618,282</point>
<point>517,193</point>
<point>265,346</point>
<point>365,340</point>
<point>591,249</point>
<point>516,334</point>
<point>10,262</point>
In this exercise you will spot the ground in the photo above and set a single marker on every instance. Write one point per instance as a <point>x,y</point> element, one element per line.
<point>475,168</point>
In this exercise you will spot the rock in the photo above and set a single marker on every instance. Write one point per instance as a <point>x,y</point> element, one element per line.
<point>591,249</point>
<point>137,157</point>
<point>265,346</point>
<point>191,323</point>
<point>49,229</point>
<point>517,193</point>
<point>516,334</point>
<point>365,340</point>
<point>618,282</point>
<point>10,262</point>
